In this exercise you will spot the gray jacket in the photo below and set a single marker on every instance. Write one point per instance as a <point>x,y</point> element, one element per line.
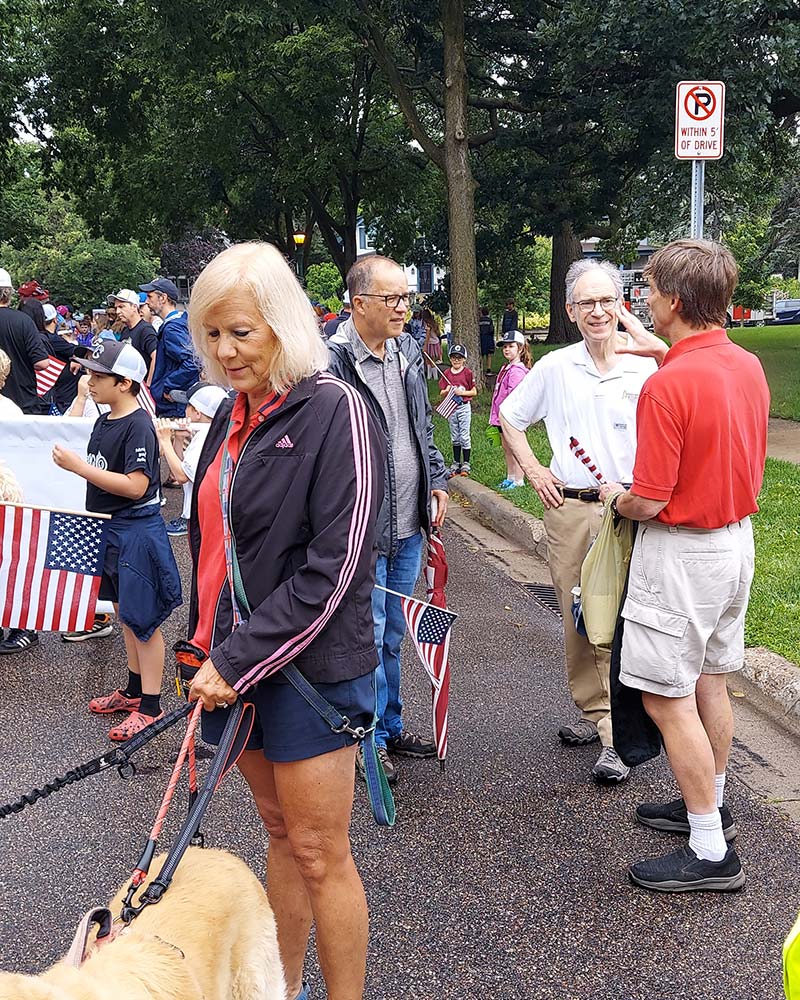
<point>433,475</point>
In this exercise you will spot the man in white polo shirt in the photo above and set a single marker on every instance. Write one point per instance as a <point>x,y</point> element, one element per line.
<point>585,393</point>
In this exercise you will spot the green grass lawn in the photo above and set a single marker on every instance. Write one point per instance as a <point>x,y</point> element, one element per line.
<point>774,612</point>
<point>778,348</point>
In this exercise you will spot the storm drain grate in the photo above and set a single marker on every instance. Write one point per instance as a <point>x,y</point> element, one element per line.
<point>545,595</point>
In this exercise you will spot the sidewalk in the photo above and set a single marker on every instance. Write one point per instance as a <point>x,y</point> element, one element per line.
<point>784,440</point>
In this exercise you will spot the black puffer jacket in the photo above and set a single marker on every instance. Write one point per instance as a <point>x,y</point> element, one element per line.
<point>303,520</point>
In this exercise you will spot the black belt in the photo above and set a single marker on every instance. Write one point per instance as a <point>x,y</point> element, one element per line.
<point>586,495</point>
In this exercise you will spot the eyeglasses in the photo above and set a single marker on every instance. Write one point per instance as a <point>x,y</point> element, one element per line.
<point>587,305</point>
<point>390,301</point>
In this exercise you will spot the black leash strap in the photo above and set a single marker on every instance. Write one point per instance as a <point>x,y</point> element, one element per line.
<point>234,739</point>
<point>119,758</point>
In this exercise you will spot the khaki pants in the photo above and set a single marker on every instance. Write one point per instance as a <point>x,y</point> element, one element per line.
<point>571,529</point>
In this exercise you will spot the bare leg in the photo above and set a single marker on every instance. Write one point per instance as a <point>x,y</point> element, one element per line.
<point>316,799</point>
<point>285,886</point>
<point>131,646</point>
<point>714,708</point>
<point>688,748</point>
<point>149,657</point>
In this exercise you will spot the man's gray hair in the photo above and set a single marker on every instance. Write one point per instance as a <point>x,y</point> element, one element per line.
<point>6,291</point>
<point>580,267</point>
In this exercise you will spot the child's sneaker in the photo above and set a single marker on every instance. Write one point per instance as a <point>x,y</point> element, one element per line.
<point>454,470</point>
<point>114,702</point>
<point>134,724</point>
<point>505,484</point>
<point>465,469</point>
<point>509,485</point>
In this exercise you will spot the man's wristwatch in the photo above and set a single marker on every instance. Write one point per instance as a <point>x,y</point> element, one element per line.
<point>613,505</point>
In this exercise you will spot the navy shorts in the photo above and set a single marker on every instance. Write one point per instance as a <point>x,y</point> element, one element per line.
<point>287,728</point>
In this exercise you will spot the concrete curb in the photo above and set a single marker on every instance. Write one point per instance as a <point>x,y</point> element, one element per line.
<point>499,514</point>
<point>775,679</point>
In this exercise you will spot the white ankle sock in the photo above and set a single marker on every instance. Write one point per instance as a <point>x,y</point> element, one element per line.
<point>719,783</point>
<point>706,838</point>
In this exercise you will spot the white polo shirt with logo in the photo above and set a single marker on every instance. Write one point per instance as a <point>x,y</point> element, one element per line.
<point>575,400</point>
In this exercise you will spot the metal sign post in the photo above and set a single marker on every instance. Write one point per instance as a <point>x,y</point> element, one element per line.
<point>698,194</point>
<point>699,136</point>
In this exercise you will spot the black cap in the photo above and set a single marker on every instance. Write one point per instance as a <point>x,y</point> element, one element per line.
<point>164,285</point>
<point>458,349</point>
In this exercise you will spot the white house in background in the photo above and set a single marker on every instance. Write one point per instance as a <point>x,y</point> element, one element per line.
<point>425,277</point>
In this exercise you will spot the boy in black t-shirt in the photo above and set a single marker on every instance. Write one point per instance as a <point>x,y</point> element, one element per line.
<point>139,573</point>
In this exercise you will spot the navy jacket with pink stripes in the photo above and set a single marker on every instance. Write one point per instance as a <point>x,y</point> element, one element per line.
<point>304,500</point>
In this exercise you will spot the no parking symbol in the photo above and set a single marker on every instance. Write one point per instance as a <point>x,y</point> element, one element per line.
<point>699,120</point>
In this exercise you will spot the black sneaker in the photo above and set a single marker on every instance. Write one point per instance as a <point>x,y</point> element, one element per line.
<point>671,816</point>
<point>683,871</point>
<point>408,744</point>
<point>383,757</point>
<point>17,641</point>
<point>101,627</point>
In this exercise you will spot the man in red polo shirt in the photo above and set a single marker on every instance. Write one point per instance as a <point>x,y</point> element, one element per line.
<point>701,446</point>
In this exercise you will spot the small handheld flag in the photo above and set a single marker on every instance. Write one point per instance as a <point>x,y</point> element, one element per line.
<point>47,377</point>
<point>581,455</point>
<point>449,404</point>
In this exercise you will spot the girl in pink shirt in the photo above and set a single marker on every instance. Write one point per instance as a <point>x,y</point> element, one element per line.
<point>518,363</point>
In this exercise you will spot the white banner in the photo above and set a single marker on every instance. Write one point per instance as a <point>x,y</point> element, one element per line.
<point>26,447</point>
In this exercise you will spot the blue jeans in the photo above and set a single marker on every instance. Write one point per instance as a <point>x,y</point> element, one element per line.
<point>400,574</point>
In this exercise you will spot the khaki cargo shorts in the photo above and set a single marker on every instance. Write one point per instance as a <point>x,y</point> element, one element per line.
<point>684,613</point>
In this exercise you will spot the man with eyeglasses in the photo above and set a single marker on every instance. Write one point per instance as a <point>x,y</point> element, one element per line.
<point>371,351</point>
<point>586,393</point>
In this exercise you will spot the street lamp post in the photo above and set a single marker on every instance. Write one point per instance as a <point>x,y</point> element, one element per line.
<point>299,242</point>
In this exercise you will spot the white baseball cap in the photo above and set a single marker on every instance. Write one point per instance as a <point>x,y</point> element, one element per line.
<point>202,396</point>
<point>126,295</point>
<point>49,312</point>
<point>110,357</point>
<point>5,279</point>
<point>512,337</point>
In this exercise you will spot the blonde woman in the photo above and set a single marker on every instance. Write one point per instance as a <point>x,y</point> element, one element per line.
<point>286,496</point>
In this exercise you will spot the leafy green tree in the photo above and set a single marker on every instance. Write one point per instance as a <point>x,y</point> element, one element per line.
<point>82,270</point>
<point>324,282</point>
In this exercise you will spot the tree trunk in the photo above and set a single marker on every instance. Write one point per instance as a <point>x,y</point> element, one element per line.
<point>566,250</point>
<point>460,187</point>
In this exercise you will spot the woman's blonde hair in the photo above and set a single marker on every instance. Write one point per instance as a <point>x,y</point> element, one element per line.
<point>5,368</point>
<point>260,270</point>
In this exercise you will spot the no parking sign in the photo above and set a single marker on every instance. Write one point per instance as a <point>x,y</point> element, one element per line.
<point>699,119</point>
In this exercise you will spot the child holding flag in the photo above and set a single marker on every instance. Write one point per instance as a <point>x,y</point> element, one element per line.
<point>458,387</point>
<point>518,363</point>
<point>139,574</point>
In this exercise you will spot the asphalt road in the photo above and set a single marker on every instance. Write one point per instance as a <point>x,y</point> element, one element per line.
<point>504,877</point>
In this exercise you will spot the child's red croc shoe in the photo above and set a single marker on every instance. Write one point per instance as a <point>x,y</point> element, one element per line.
<point>114,702</point>
<point>134,724</point>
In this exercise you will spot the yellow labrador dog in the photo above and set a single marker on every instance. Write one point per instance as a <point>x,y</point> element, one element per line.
<point>211,937</point>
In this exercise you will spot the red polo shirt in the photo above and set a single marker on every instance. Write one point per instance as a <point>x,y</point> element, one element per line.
<point>702,433</point>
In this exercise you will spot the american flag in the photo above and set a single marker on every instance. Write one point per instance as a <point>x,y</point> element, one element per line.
<point>47,377</point>
<point>146,401</point>
<point>449,404</point>
<point>429,628</point>
<point>50,568</point>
